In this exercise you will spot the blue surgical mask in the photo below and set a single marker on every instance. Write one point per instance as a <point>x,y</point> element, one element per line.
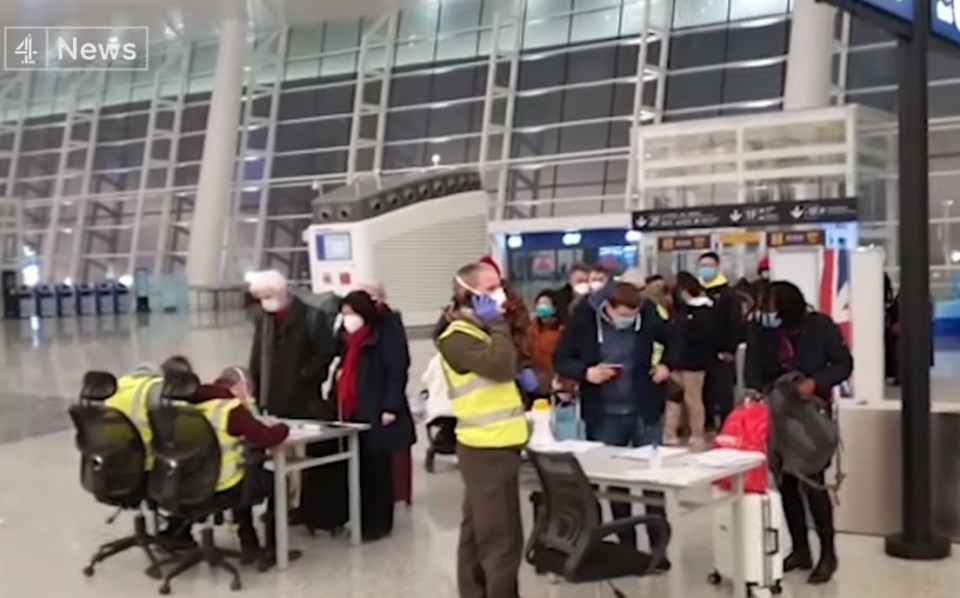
<point>624,322</point>
<point>770,320</point>
<point>707,272</point>
<point>546,311</point>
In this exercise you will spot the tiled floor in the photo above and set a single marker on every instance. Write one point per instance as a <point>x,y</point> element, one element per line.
<point>49,526</point>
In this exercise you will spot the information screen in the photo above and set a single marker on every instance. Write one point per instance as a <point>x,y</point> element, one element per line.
<point>334,247</point>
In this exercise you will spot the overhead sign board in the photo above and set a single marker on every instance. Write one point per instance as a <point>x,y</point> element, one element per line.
<point>944,15</point>
<point>945,20</point>
<point>684,243</point>
<point>783,213</point>
<point>796,238</point>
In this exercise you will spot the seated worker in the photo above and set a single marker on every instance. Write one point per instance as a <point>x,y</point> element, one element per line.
<point>141,388</point>
<point>235,425</point>
<point>237,380</point>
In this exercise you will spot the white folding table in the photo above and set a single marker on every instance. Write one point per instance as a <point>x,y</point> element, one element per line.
<point>606,470</point>
<point>302,434</point>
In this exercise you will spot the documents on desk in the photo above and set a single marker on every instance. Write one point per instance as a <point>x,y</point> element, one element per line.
<point>727,458</point>
<point>681,476</point>
<point>575,447</point>
<point>648,453</point>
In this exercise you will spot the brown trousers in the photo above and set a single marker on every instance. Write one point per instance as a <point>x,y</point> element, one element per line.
<point>692,383</point>
<point>491,534</point>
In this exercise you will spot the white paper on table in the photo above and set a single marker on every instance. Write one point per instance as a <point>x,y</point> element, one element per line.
<point>670,476</point>
<point>646,453</point>
<point>568,446</point>
<point>723,458</point>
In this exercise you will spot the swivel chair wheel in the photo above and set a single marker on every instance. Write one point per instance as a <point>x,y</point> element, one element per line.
<point>165,590</point>
<point>88,571</point>
<point>714,578</point>
<point>428,463</point>
<point>776,589</point>
<point>236,586</point>
<point>154,572</point>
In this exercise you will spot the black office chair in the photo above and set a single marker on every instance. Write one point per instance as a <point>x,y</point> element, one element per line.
<point>184,480</point>
<point>112,463</point>
<point>569,539</point>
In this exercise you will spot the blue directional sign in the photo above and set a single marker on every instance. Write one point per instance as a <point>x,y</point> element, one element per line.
<point>903,9</point>
<point>945,19</point>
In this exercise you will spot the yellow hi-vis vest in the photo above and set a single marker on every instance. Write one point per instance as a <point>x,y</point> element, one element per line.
<point>133,399</point>
<point>217,412</point>
<point>489,414</point>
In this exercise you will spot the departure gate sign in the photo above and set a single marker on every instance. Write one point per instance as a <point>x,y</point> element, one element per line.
<point>944,14</point>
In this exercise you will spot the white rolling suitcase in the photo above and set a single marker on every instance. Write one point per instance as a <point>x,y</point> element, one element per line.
<point>764,550</point>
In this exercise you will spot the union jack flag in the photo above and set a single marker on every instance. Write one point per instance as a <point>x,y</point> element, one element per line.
<point>835,295</point>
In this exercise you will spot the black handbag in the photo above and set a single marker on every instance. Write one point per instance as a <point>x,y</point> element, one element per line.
<point>673,391</point>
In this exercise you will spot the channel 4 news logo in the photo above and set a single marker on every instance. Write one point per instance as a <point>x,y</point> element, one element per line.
<point>76,48</point>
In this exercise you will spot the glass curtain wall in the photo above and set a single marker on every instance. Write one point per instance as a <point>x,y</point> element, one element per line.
<point>577,76</point>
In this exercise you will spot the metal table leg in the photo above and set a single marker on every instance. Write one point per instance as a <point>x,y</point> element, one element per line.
<point>356,524</point>
<point>281,524</point>
<point>676,579</point>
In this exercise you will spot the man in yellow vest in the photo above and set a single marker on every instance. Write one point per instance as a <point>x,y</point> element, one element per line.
<point>479,360</point>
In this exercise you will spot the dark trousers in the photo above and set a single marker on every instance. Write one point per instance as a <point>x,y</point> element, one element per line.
<point>793,491</point>
<point>376,491</point>
<point>718,391</point>
<point>491,533</point>
<point>627,431</point>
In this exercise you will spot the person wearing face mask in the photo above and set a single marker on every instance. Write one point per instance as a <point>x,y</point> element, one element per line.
<point>692,327</point>
<point>578,286</point>
<point>370,387</point>
<point>546,332</point>
<point>789,337</point>
<point>599,277</point>
<point>479,360</point>
<point>292,350</point>
<point>607,348</point>
<point>727,332</point>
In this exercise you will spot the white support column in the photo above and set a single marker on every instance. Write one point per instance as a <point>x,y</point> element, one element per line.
<point>810,57</point>
<point>212,206</point>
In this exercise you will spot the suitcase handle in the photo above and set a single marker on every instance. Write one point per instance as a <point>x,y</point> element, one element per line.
<point>773,536</point>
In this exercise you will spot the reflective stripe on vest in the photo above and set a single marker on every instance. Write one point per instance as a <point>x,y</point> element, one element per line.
<point>217,412</point>
<point>134,397</point>
<point>489,414</point>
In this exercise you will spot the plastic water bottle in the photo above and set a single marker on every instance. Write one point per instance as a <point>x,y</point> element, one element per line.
<point>656,461</point>
<point>540,418</point>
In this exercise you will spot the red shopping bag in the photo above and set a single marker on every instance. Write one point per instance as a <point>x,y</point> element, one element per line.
<point>747,428</point>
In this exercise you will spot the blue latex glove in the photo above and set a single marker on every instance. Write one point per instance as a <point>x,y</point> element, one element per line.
<point>528,380</point>
<point>485,308</point>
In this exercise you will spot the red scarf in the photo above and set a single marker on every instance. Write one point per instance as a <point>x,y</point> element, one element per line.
<point>347,383</point>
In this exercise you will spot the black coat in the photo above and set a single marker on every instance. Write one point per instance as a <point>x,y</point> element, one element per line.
<point>300,360</point>
<point>726,321</point>
<point>382,375</point>
<point>579,350</point>
<point>820,352</point>
<point>694,325</point>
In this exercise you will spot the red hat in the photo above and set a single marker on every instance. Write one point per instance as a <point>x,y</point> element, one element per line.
<point>489,261</point>
<point>764,264</point>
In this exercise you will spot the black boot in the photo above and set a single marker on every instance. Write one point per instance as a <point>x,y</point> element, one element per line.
<point>824,570</point>
<point>821,508</point>
<point>798,561</point>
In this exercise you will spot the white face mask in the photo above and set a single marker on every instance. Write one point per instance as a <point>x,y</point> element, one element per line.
<point>596,285</point>
<point>498,295</point>
<point>582,288</point>
<point>352,323</point>
<point>271,304</point>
